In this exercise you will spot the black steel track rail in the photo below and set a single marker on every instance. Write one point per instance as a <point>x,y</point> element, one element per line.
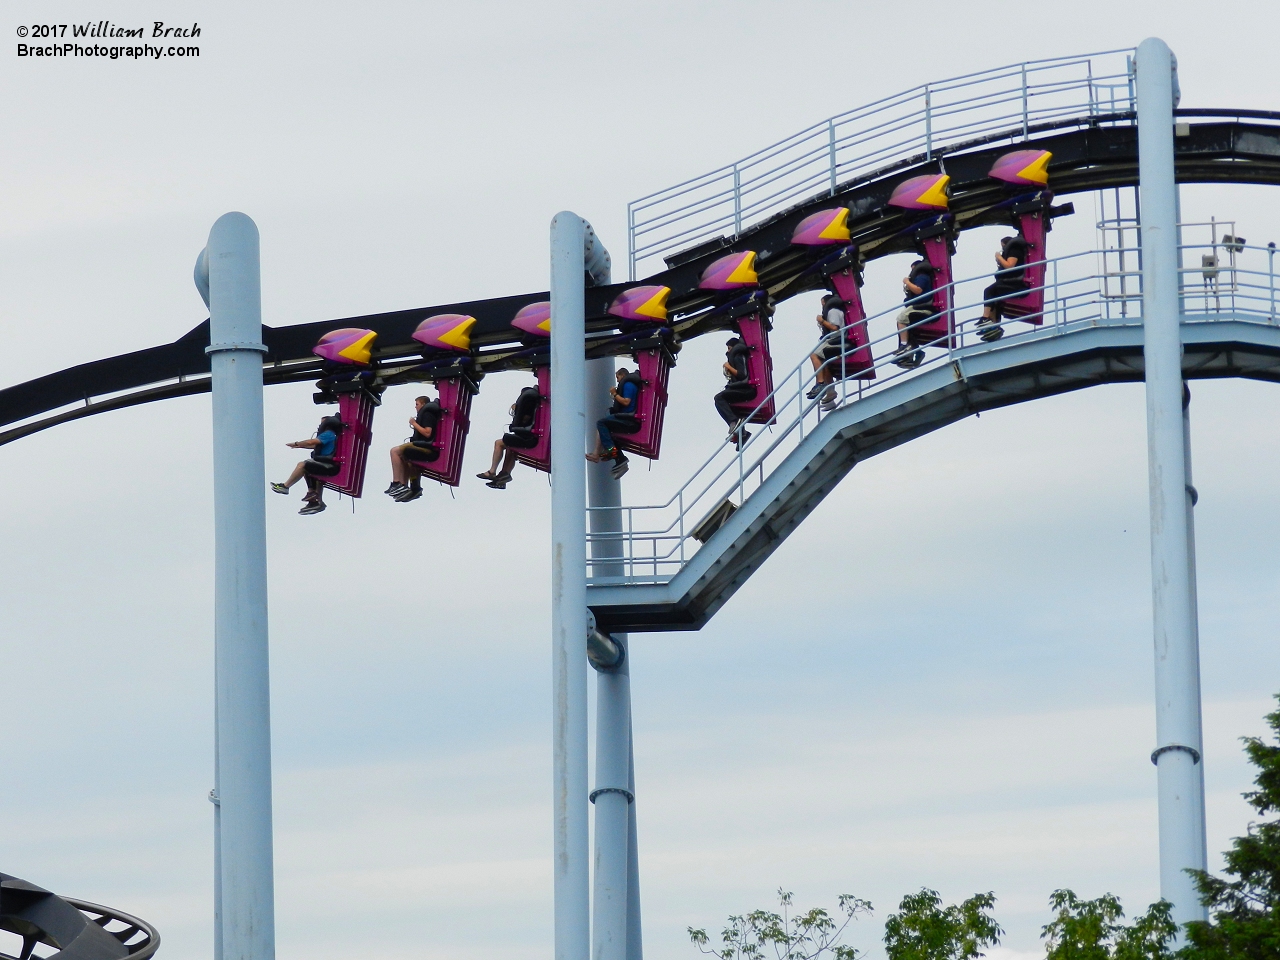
<point>1093,153</point>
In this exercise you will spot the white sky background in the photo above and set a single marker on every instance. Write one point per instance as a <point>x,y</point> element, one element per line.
<point>943,678</point>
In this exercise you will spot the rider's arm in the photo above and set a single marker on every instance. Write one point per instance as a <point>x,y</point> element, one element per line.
<point>305,444</point>
<point>423,432</point>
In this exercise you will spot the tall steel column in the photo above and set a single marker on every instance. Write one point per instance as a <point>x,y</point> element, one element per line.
<point>613,799</point>
<point>616,894</point>
<point>228,276</point>
<point>575,255</point>
<point>1177,660</point>
<point>635,941</point>
<point>1192,497</point>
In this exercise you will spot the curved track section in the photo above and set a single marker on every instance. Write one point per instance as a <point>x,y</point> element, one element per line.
<point>1090,153</point>
<point>982,378</point>
<point>75,929</point>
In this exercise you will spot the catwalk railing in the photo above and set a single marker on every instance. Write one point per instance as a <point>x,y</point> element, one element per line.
<point>916,123</point>
<point>657,540</point>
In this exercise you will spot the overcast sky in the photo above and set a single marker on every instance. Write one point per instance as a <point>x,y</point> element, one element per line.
<point>943,679</point>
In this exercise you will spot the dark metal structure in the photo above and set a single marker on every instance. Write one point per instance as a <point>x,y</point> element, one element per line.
<point>74,929</point>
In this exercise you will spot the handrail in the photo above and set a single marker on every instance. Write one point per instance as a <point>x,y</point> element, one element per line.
<point>1075,296</point>
<point>926,119</point>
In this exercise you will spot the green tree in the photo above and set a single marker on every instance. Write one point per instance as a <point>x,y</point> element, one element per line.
<point>1092,930</point>
<point>925,930</point>
<point>1083,929</point>
<point>804,936</point>
<point>1245,912</point>
<point>1149,937</point>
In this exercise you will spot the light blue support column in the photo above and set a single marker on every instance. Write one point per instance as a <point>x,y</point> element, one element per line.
<point>575,254</point>
<point>1192,497</point>
<point>612,798</point>
<point>228,275</point>
<point>614,795</point>
<point>217,855</point>
<point>635,942</point>
<point>1177,660</point>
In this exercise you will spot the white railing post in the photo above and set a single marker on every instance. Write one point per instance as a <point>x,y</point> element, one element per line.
<point>631,242</point>
<point>928,123</point>
<point>1024,101</point>
<point>1271,271</point>
<point>831,150</point>
<point>737,201</point>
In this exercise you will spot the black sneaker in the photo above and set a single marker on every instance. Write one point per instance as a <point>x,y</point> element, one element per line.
<point>990,330</point>
<point>907,358</point>
<point>279,488</point>
<point>310,508</point>
<point>620,466</point>
<point>740,439</point>
<point>395,490</point>
<point>410,493</point>
<point>813,394</point>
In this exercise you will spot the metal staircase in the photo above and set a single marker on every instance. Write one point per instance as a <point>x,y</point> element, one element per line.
<point>744,503</point>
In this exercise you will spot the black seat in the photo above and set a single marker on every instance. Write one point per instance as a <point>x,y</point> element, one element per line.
<point>627,423</point>
<point>323,467</point>
<point>422,450</point>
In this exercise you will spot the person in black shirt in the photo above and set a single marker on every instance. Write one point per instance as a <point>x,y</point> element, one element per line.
<point>917,307</point>
<point>1010,281</point>
<point>739,389</point>
<point>519,436</point>
<point>406,474</point>
<point>830,320</point>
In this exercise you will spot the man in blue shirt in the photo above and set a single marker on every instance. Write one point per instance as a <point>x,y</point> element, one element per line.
<point>320,465</point>
<point>621,419</point>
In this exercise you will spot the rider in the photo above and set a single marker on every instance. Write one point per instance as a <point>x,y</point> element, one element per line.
<point>519,436</point>
<point>738,390</point>
<point>830,320</point>
<point>406,474</point>
<point>1010,280</point>
<point>620,419</point>
<point>917,306</point>
<point>319,466</point>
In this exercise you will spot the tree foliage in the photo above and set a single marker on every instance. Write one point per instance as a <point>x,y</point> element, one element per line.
<point>802,936</point>
<point>1245,912</point>
<point>1093,930</point>
<point>925,930</point>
